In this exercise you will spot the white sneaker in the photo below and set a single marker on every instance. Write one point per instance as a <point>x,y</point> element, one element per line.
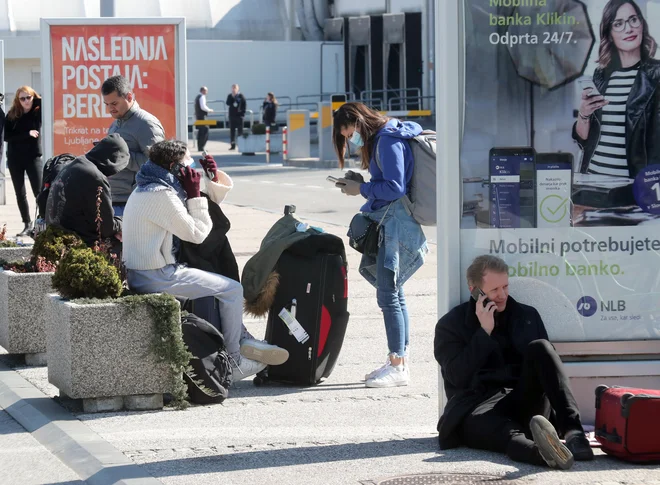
<point>374,373</point>
<point>390,376</point>
<point>262,351</point>
<point>246,368</point>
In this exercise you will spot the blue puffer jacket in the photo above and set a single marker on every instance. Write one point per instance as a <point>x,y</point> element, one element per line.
<point>396,159</point>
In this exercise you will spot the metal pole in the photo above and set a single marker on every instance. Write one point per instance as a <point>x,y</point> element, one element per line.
<point>285,150</point>
<point>267,144</point>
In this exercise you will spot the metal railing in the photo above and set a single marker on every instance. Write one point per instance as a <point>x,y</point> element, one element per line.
<point>404,103</point>
<point>399,93</point>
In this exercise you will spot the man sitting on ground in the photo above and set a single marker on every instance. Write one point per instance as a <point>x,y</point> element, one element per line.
<point>72,201</point>
<point>503,378</point>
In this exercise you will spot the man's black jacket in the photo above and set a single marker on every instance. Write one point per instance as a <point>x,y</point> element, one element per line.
<point>469,358</point>
<point>72,198</point>
<point>237,105</point>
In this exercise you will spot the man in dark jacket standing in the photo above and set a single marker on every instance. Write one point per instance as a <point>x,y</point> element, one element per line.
<point>72,199</point>
<point>201,110</point>
<point>503,378</point>
<point>237,107</point>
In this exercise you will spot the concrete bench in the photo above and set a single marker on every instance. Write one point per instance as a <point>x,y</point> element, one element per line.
<point>22,314</point>
<point>588,364</point>
<point>102,353</point>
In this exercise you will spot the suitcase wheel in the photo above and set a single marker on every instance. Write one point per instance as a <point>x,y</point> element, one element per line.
<point>625,397</point>
<point>258,381</point>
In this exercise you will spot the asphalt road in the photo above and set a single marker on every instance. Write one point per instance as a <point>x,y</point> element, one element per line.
<point>271,187</point>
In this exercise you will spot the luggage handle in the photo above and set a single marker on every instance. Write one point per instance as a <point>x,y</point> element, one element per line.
<point>628,399</point>
<point>612,437</point>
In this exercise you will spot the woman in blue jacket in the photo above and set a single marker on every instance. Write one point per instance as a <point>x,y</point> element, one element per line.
<point>385,152</point>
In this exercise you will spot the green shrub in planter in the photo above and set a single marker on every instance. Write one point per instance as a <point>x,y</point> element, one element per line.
<point>259,129</point>
<point>8,244</point>
<point>51,244</point>
<point>84,273</point>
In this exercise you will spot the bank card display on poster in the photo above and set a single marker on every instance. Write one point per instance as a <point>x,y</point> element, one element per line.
<point>560,155</point>
<point>83,56</point>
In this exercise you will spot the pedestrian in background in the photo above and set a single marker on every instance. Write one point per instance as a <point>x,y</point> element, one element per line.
<point>237,107</point>
<point>270,109</point>
<point>201,110</point>
<point>22,132</point>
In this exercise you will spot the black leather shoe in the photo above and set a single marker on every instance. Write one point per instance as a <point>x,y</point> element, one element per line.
<point>232,147</point>
<point>26,230</point>
<point>579,446</point>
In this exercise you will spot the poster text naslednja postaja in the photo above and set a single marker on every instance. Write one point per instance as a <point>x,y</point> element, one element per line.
<point>563,193</point>
<point>84,56</point>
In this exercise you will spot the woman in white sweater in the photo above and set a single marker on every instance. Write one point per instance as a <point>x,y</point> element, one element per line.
<point>167,207</point>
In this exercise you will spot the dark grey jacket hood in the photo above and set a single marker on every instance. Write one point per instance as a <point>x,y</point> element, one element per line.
<point>110,155</point>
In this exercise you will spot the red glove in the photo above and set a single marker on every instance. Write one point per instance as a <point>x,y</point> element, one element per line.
<point>190,180</point>
<point>210,167</point>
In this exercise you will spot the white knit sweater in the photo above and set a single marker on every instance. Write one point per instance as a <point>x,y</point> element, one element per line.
<point>151,218</point>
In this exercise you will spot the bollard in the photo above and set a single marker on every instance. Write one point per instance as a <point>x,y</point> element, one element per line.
<point>284,143</point>
<point>267,144</point>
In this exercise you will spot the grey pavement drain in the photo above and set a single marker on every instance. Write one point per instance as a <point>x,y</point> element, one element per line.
<point>441,478</point>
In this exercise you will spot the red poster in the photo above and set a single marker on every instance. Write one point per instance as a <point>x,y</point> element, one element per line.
<point>84,56</point>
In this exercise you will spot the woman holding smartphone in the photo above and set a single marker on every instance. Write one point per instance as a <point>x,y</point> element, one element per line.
<point>385,152</point>
<point>618,128</point>
<point>22,134</point>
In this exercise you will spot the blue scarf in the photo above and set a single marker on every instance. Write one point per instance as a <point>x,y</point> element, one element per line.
<point>154,178</point>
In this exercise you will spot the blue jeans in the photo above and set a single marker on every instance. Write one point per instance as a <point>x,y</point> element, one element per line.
<point>118,210</point>
<point>392,303</point>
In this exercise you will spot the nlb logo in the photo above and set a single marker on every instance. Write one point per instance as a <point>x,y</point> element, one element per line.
<point>587,306</point>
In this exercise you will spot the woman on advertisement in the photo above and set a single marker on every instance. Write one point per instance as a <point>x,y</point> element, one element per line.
<point>22,134</point>
<point>386,153</point>
<point>618,127</point>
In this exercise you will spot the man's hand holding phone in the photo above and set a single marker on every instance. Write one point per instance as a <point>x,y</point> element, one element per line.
<point>486,313</point>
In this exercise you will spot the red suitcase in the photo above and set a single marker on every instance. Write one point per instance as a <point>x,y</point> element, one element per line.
<point>628,422</point>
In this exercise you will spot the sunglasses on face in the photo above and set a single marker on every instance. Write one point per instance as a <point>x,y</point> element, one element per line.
<point>25,98</point>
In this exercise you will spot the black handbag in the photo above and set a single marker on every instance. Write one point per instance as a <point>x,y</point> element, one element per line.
<point>363,233</point>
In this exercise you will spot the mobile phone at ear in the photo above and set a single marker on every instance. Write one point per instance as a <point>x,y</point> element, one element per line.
<point>476,293</point>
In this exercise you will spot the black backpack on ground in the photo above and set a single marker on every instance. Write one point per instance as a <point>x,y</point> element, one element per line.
<point>210,363</point>
<point>52,169</point>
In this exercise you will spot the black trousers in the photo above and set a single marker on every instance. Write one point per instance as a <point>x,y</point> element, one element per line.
<point>501,423</point>
<point>235,124</point>
<point>202,137</point>
<point>18,168</point>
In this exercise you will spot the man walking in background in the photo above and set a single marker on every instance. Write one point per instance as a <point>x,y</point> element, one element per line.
<point>201,110</point>
<point>139,129</point>
<point>237,107</point>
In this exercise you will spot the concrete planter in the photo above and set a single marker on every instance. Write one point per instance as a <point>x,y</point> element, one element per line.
<point>257,143</point>
<point>22,313</point>
<point>102,353</point>
<point>20,253</point>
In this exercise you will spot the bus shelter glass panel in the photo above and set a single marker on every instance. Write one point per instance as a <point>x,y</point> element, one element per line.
<point>560,156</point>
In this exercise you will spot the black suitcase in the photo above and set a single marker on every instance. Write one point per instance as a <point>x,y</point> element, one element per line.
<point>205,308</point>
<point>317,280</point>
